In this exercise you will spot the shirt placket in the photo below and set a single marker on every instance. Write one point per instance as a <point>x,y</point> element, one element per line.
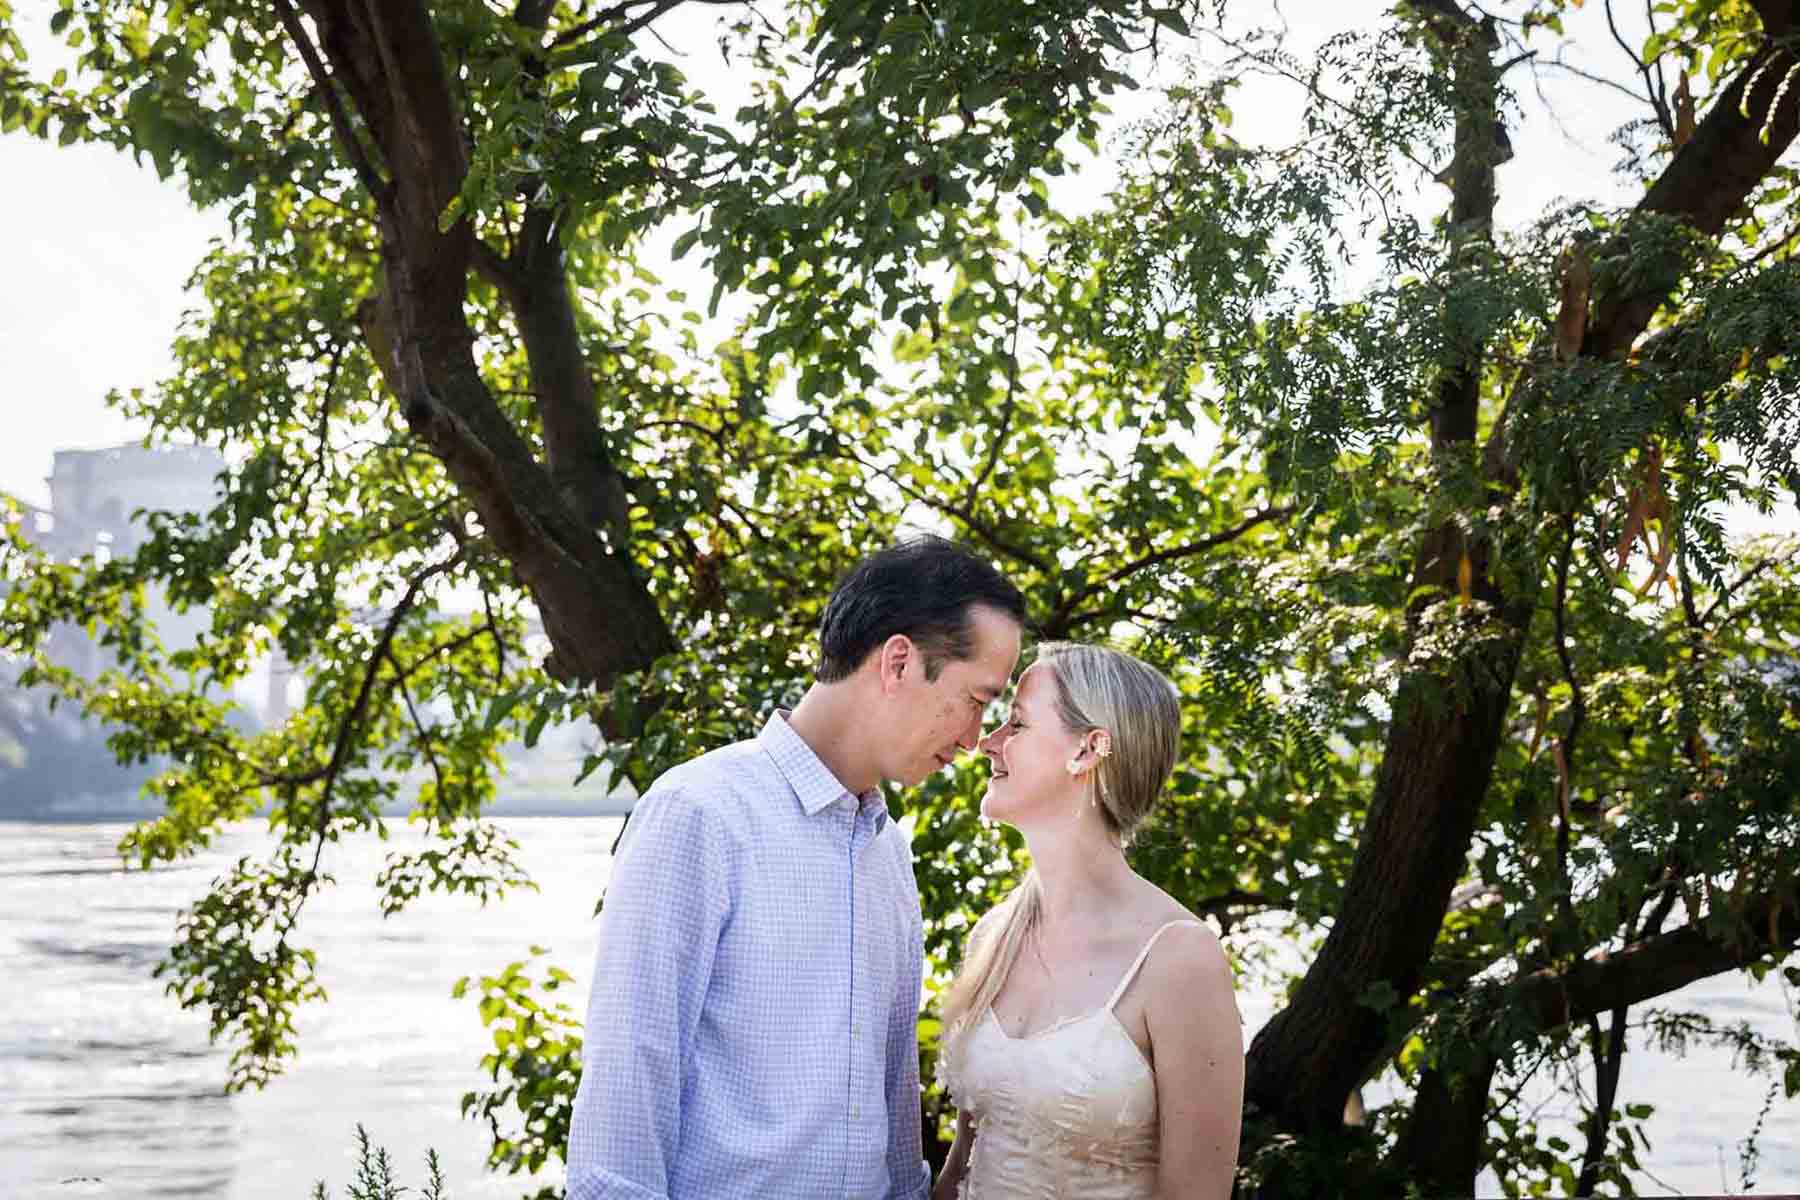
<point>861,826</point>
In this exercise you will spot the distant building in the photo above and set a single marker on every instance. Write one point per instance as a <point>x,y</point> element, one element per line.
<point>56,762</point>
<point>93,494</point>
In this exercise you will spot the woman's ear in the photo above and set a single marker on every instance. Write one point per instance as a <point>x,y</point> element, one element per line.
<point>1094,747</point>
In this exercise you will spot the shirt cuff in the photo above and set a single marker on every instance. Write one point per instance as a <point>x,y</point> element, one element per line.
<point>919,1188</point>
<point>604,1185</point>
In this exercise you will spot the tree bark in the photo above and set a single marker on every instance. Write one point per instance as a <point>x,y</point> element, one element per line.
<point>1710,177</point>
<point>1440,1148</point>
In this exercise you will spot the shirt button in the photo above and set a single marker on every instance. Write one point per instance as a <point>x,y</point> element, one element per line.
<point>856,1111</point>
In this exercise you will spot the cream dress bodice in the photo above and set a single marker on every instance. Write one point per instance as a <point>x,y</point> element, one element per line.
<point>1067,1113</point>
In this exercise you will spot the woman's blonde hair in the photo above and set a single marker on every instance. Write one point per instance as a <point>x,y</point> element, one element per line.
<point>1096,688</point>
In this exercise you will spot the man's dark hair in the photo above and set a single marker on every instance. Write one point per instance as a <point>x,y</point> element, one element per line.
<point>922,587</point>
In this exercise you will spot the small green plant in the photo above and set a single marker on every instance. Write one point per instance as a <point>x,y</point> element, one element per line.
<point>375,1175</point>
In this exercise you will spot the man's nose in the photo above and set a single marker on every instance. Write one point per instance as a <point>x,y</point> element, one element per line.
<point>970,738</point>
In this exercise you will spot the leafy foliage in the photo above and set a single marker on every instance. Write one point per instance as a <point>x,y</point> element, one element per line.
<point>535,1066</point>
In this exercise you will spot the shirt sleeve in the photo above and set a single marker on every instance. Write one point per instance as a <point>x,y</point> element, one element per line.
<point>908,1176</point>
<point>666,905</point>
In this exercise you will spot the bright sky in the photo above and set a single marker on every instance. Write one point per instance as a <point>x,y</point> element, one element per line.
<point>102,247</point>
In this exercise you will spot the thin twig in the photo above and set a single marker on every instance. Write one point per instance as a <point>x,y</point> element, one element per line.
<point>1562,64</point>
<point>340,753</point>
<point>424,736</point>
<point>1065,614</point>
<point>321,465</point>
<point>1656,103</point>
<point>1760,566</point>
<point>974,524</point>
<point>487,604</point>
<point>657,11</point>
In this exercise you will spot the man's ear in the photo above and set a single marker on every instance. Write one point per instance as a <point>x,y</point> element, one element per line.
<point>897,654</point>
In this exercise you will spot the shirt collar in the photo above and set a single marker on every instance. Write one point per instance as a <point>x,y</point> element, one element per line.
<point>814,785</point>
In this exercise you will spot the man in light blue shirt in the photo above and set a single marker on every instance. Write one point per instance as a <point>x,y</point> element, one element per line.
<point>752,1029</point>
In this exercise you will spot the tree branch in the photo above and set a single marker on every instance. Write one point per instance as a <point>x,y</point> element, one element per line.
<point>1656,102</point>
<point>577,32</point>
<point>348,727</point>
<point>1563,65</point>
<point>340,119</point>
<point>496,269</point>
<point>1230,907</point>
<point>1064,615</point>
<point>1565,746</point>
<point>658,9</point>
<point>1655,966</point>
<point>1725,596</point>
<point>575,450</point>
<point>1006,411</point>
<point>970,521</point>
<point>424,737</point>
<point>1748,128</point>
<point>425,147</point>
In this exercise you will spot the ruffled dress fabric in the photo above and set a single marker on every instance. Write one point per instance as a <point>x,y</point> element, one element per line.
<point>1068,1113</point>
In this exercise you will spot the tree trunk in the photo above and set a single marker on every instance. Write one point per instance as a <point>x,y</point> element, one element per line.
<point>564,535</point>
<point>1440,1148</point>
<point>1445,732</point>
<point>1443,735</point>
<point>1435,769</point>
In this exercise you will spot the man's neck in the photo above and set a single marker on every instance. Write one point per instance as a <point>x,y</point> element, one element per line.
<point>829,720</point>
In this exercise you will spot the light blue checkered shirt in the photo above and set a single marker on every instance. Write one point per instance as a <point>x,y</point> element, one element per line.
<point>753,1025</point>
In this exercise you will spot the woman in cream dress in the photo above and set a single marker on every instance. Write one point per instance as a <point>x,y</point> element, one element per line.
<point>1092,1044</point>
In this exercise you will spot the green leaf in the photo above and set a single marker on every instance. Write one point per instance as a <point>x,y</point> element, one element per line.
<point>535,728</point>
<point>501,707</point>
<point>1171,18</point>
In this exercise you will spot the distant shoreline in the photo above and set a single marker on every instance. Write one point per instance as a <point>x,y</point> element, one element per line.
<point>129,811</point>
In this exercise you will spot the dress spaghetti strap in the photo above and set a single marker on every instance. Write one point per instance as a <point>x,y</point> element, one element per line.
<point>1137,964</point>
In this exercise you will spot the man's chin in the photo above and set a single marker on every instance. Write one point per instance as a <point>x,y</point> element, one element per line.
<point>921,774</point>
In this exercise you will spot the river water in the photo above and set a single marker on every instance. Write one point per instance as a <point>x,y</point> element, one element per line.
<point>108,1089</point>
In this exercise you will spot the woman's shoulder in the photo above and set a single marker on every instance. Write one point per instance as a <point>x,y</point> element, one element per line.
<point>1185,945</point>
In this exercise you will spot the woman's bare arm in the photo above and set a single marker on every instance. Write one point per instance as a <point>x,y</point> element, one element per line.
<point>950,1178</point>
<point>1198,1042</point>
